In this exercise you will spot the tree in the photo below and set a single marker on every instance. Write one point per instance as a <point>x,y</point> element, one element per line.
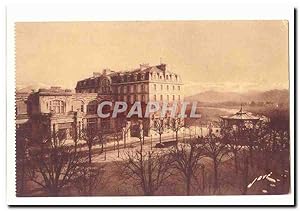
<point>141,135</point>
<point>117,136</point>
<point>148,171</point>
<point>245,171</point>
<point>176,125</point>
<point>52,164</point>
<point>273,143</point>
<point>215,149</point>
<point>23,140</point>
<point>186,159</point>
<point>159,128</point>
<point>124,126</point>
<point>89,135</point>
<point>233,141</point>
<point>89,178</point>
<point>101,139</point>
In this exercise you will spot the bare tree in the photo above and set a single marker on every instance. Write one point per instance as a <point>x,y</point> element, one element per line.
<point>52,164</point>
<point>233,141</point>
<point>272,143</point>
<point>76,131</point>
<point>148,171</point>
<point>117,136</point>
<point>186,159</point>
<point>245,171</point>
<point>89,135</point>
<point>124,127</point>
<point>176,125</point>
<point>216,150</point>
<point>89,178</point>
<point>159,128</point>
<point>101,139</point>
<point>23,139</point>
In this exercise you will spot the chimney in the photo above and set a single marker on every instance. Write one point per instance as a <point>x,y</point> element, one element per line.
<point>105,71</point>
<point>163,67</point>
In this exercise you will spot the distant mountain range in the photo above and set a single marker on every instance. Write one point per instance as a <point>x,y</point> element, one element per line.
<point>29,88</point>
<point>274,96</point>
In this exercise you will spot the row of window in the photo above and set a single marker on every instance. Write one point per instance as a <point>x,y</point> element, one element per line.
<point>94,82</point>
<point>104,89</point>
<point>59,106</point>
<point>154,76</point>
<point>56,106</point>
<point>167,87</point>
<point>132,98</point>
<point>167,97</point>
<point>131,88</point>
<point>134,77</point>
<point>161,76</point>
<point>141,88</point>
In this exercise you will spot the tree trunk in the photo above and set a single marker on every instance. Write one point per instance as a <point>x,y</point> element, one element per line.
<point>216,185</point>
<point>53,191</point>
<point>236,163</point>
<point>251,154</point>
<point>22,174</point>
<point>203,178</point>
<point>188,185</point>
<point>118,148</point>
<point>150,173</point>
<point>141,145</point>
<point>245,182</point>
<point>124,140</point>
<point>90,184</point>
<point>90,154</point>
<point>266,161</point>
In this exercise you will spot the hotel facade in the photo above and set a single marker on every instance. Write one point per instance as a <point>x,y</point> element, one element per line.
<point>65,110</point>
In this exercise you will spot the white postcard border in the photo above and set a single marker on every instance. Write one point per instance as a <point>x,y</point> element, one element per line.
<point>107,12</point>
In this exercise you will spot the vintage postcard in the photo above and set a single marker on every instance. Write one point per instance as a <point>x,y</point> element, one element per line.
<point>152,108</point>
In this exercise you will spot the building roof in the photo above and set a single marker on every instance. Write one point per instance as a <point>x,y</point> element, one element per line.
<point>241,115</point>
<point>55,91</point>
<point>144,68</point>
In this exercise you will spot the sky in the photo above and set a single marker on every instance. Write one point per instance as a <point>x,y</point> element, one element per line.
<point>209,55</point>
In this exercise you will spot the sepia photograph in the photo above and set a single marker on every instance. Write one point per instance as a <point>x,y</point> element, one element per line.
<point>152,108</point>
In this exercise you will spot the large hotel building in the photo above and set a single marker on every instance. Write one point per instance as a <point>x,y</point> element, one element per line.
<point>66,110</point>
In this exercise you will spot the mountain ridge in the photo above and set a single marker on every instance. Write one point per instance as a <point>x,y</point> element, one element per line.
<point>273,95</point>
